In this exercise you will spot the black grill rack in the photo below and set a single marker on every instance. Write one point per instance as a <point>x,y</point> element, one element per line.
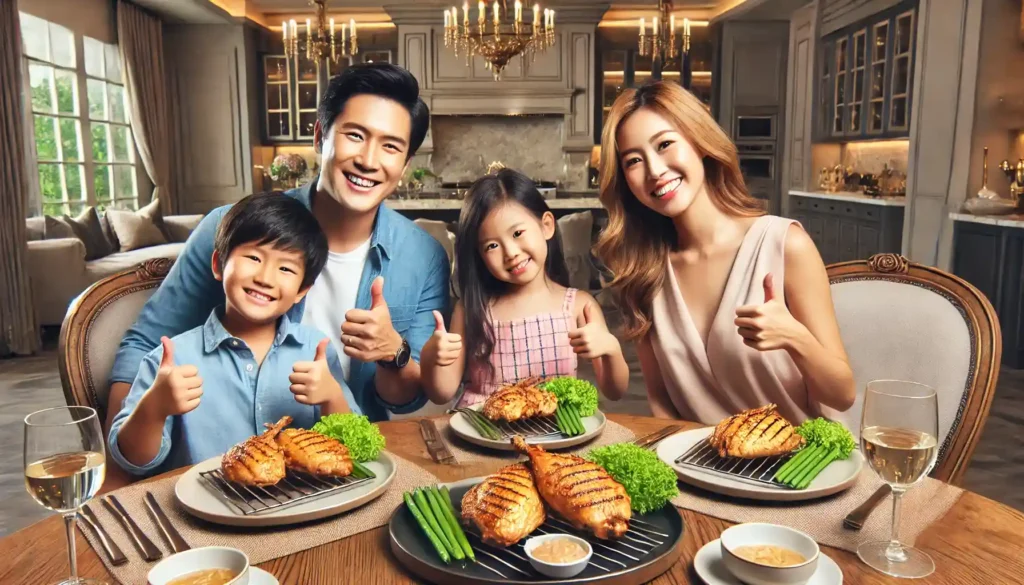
<point>608,555</point>
<point>531,428</point>
<point>295,488</point>
<point>760,470</point>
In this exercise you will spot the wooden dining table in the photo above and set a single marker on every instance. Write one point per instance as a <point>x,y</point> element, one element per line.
<point>978,541</point>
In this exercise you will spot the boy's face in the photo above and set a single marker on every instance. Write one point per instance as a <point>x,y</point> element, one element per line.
<point>261,282</point>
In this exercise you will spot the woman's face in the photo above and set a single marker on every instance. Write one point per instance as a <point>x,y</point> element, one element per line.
<point>661,167</point>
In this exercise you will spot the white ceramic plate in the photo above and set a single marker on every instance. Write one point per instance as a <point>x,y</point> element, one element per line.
<point>198,499</point>
<point>838,476</point>
<point>594,426</point>
<point>258,576</point>
<point>709,566</point>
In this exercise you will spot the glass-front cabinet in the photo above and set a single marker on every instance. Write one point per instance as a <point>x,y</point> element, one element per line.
<point>866,74</point>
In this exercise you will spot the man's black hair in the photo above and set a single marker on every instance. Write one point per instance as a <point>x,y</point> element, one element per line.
<point>276,219</point>
<point>381,79</point>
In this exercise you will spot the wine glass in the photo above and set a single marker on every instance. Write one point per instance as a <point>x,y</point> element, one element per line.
<point>899,436</point>
<point>65,465</point>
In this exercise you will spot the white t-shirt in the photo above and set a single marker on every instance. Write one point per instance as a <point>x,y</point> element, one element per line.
<point>334,294</point>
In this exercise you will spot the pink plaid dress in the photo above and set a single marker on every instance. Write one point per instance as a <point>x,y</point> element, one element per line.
<point>525,348</point>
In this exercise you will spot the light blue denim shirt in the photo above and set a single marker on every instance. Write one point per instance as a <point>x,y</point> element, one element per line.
<point>416,274</point>
<point>239,395</point>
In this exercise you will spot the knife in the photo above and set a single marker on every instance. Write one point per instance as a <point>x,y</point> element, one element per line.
<point>143,544</point>
<point>171,536</point>
<point>117,557</point>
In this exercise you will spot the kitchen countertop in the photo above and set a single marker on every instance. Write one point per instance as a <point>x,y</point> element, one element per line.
<point>899,201</point>
<point>1014,220</point>
<point>442,204</point>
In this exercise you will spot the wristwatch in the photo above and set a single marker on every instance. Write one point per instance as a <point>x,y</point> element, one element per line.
<point>401,357</point>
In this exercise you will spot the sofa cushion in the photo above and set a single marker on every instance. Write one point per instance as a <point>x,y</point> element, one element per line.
<point>108,232</point>
<point>87,228</point>
<point>56,229</point>
<point>118,261</point>
<point>179,227</point>
<point>138,229</point>
<point>35,229</point>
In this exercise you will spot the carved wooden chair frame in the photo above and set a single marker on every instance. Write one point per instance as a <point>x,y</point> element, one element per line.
<point>985,341</point>
<point>73,354</point>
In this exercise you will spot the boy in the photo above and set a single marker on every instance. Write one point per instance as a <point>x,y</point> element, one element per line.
<point>268,251</point>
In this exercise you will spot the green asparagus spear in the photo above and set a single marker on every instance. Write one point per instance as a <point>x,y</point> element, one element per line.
<point>788,464</point>
<point>805,480</point>
<point>363,471</point>
<point>421,501</point>
<point>449,513</point>
<point>807,465</point>
<point>560,419</point>
<point>442,520</point>
<point>441,552</point>
<point>805,457</point>
<point>576,420</point>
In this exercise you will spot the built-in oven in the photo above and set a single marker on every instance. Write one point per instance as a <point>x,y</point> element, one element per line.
<point>757,161</point>
<point>751,126</point>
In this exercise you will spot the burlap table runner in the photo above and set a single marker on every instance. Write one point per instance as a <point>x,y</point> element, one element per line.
<point>260,544</point>
<point>466,452</point>
<point>822,519</point>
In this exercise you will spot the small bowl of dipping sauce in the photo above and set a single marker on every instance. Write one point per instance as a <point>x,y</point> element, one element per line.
<point>558,555</point>
<point>769,554</point>
<point>210,565</point>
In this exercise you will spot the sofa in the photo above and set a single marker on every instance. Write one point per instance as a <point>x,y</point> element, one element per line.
<point>67,255</point>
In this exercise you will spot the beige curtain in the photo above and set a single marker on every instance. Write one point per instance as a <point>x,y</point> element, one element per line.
<point>18,331</point>
<point>140,39</point>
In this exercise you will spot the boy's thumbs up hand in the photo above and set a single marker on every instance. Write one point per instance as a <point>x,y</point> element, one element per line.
<point>176,389</point>
<point>442,348</point>
<point>312,382</point>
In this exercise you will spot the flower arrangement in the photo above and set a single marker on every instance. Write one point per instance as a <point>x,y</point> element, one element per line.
<point>288,167</point>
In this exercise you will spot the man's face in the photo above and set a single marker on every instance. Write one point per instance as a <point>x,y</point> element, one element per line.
<point>364,152</point>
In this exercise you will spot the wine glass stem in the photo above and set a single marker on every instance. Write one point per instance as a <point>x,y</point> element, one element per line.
<point>895,552</point>
<point>69,525</point>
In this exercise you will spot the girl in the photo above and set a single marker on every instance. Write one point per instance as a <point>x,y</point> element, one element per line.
<point>711,287</point>
<point>517,313</point>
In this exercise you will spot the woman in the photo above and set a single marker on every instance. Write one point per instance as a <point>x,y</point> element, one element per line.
<point>731,307</point>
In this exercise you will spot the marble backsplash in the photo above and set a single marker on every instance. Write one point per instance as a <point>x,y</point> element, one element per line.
<point>465,145</point>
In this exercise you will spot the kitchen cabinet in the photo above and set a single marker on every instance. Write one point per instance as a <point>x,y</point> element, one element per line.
<point>865,77</point>
<point>844,230</point>
<point>991,257</point>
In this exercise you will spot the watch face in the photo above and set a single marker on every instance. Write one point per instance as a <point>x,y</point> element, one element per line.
<point>402,357</point>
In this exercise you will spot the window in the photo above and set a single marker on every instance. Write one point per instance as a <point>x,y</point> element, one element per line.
<point>74,173</point>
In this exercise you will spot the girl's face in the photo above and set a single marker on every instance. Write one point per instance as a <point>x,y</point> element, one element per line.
<point>514,243</point>
<point>661,167</point>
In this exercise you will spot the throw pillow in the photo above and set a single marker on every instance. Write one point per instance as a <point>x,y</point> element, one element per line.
<point>109,233</point>
<point>35,228</point>
<point>86,227</point>
<point>134,229</point>
<point>55,228</point>
<point>152,211</point>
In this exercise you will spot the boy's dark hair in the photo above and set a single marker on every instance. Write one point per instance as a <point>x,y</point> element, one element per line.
<point>276,219</point>
<point>477,286</point>
<point>380,79</point>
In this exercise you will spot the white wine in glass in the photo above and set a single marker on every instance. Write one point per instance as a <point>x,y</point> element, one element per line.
<point>899,436</point>
<point>65,464</point>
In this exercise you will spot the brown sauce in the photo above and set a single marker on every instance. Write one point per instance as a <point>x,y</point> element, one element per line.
<point>772,556</point>
<point>205,577</point>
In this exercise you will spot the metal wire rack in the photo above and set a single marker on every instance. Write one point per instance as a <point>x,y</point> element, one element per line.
<point>761,470</point>
<point>295,488</point>
<point>535,427</point>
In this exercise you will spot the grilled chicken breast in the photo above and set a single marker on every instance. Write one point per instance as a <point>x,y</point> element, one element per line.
<point>257,461</point>
<point>314,453</point>
<point>580,491</point>
<point>759,432</point>
<point>520,400</point>
<point>505,506</point>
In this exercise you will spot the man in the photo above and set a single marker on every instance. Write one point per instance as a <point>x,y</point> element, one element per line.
<point>384,275</point>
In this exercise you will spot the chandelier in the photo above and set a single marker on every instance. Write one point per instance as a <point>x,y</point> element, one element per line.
<point>320,42</point>
<point>661,44</point>
<point>503,39</point>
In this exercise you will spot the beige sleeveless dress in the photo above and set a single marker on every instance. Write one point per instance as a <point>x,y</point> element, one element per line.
<point>707,384</point>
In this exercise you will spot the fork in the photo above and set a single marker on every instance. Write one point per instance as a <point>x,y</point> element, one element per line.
<point>855,519</point>
<point>436,445</point>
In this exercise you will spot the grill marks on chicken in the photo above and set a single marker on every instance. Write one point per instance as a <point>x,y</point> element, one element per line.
<point>520,400</point>
<point>505,507</point>
<point>580,491</point>
<point>759,432</point>
<point>257,461</point>
<point>314,453</point>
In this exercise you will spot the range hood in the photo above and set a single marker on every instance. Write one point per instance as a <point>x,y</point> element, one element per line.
<point>498,98</point>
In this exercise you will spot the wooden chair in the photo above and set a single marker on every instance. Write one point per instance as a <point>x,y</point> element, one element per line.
<point>902,320</point>
<point>93,328</point>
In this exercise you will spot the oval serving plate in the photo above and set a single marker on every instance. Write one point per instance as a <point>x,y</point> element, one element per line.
<point>654,544</point>
<point>594,426</point>
<point>199,499</point>
<point>838,476</point>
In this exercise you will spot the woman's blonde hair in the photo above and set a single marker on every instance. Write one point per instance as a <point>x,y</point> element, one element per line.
<point>637,240</point>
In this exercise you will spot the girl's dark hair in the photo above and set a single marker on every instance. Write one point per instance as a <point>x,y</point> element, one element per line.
<point>276,219</point>
<point>477,286</point>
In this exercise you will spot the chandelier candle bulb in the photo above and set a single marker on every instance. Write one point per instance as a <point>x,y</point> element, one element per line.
<point>284,32</point>
<point>519,11</point>
<point>672,23</point>
<point>332,29</point>
<point>536,15</point>
<point>497,17</point>
<point>447,19</point>
<point>352,27</point>
<point>465,15</point>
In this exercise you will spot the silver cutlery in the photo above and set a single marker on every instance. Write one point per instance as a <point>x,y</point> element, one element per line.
<point>113,551</point>
<point>855,520</point>
<point>170,534</point>
<point>142,543</point>
<point>436,445</point>
<point>649,441</point>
